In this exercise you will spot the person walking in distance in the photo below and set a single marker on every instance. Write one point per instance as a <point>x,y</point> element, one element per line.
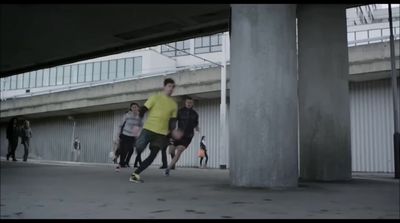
<point>188,121</point>
<point>26,135</point>
<point>161,120</point>
<point>12,137</point>
<point>203,152</point>
<point>77,149</point>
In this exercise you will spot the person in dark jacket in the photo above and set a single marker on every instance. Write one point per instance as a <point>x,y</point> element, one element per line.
<point>26,135</point>
<point>12,137</point>
<point>188,121</point>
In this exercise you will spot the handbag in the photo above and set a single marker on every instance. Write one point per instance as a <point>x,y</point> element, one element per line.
<point>201,153</point>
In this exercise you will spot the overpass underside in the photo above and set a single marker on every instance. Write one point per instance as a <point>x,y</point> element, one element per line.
<point>278,97</point>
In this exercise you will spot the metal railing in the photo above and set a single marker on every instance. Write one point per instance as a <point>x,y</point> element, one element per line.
<point>372,36</point>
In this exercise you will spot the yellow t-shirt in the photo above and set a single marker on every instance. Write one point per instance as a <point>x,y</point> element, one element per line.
<point>161,109</point>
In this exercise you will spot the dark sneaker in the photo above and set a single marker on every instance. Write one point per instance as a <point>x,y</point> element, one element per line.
<point>8,156</point>
<point>135,178</point>
<point>166,172</point>
<point>117,169</point>
<point>163,167</point>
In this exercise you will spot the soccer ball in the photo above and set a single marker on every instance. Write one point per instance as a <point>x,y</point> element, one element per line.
<point>177,134</point>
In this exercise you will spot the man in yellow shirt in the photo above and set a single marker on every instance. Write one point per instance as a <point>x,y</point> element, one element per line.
<point>161,120</point>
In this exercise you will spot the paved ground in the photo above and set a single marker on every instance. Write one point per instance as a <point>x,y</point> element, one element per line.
<point>54,190</point>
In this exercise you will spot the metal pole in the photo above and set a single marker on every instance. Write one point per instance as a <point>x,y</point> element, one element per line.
<point>396,135</point>
<point>223,141</point>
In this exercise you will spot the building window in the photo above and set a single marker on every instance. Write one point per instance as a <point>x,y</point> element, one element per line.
<point>104,70</point>
<point>46,78</point>
<point>13,82</point>
<point>53,75</point>
<point>6,83</point>
<point>113,69</point>
<point>96,71</point>
<point>180,47</point>
<point>129,67</point>
<point>39,78</point>
<point>137,66</point>
<point>74,74</point>
<point>120,68</point>
<point>67,74</point>
<point>19,81</point>
<point>60,74</point>
<point>32,81</point>
<point>81,73</point>
<point>208,44</point>
<point>89,72</point>
<point>26,80</point>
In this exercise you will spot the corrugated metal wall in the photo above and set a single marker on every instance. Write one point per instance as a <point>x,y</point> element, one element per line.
<point>52,138</point>
<point>372,126</point>
<point>371,110</point>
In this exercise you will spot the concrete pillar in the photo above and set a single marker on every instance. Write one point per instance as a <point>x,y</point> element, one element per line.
<point>324,113</point>
<point>263,96</point>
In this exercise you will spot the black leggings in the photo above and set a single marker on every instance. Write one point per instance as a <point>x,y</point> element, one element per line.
<point>206,156</point>
<point>12,146</point>
<point>126,148</point>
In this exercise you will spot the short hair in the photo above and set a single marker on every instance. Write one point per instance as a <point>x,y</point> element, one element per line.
<point>188,98</point>
<point>133,103</point>
<point>168,81</point>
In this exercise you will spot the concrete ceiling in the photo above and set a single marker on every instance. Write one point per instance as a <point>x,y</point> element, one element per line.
<point>44,35</point>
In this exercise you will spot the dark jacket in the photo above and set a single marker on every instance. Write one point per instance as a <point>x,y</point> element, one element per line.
<point>188,119</point>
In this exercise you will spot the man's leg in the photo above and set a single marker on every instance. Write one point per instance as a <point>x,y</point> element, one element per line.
<point>179,151</point>
<point>164,158</point>
<point>149,160</point>
<point>138,160</point>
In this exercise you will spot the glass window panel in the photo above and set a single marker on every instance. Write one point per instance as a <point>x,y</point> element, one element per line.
<point>13,82</point>
<point>104,70</point>
<point>89,72</point>
<point>137,66</point>
<point>120,68</point>
<point>19,81</point>
<point>169,54</point>
<point>7,83</point>
<point>39,78</point>
<point>350,37</point>
<point>186,44</point>
<point>206,40</point>
<point>179,45</point>
<point>96,71</point>
<point>113,69</point>
<point>67,74</point>
<point>60,73</point>
<point>202,50</point>
<point>180,53</point>
<point>74,74</point>
<point>374,33</point>
<point>53,73</point>
<point>220,38</point>
<point>164,48</point>
<point>216,48</point>
<point>26,80</point>
<point>32,81</point>
<point>81,73</point>
<point>386,32</point>
<point>197,42</point>
<point>129,67</point>
<point>46,77</point>
<point>214,40</point>
<point>361,35</point>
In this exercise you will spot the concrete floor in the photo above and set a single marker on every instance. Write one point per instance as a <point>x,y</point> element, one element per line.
<point>40,189</point>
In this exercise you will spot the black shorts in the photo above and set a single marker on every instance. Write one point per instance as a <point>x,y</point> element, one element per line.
<point>184,141</point>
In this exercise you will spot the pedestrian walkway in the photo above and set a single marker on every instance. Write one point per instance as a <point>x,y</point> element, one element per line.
<point>39,189</point>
